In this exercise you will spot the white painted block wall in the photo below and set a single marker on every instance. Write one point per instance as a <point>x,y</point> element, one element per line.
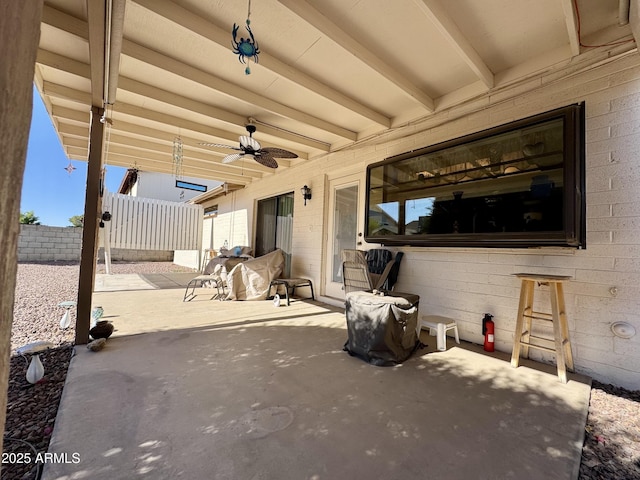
<point>465,283</point>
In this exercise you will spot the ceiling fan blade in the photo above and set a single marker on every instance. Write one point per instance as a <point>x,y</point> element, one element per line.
<point>266,159</point>
<point>232,158</point>
<point>219,145</point>
<point>279,152</point>
<point>249,143</point>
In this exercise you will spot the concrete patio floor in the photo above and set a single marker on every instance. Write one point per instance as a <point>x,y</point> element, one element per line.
<point>243,390</point>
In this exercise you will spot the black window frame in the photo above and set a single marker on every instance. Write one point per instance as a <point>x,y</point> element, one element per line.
<point>573,232</point>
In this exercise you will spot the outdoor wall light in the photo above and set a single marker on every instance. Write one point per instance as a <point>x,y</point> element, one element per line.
<point>306,194</point>
<point>106,217</point>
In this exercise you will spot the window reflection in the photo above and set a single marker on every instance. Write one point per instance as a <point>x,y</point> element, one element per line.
<point>509,182</point>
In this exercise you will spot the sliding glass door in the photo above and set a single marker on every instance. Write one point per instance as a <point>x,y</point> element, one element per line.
<point>274,227</point>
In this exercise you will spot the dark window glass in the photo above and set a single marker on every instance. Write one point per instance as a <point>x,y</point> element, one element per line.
<point>274,227</point>
<point>211,210</point>
<point>520,184</point>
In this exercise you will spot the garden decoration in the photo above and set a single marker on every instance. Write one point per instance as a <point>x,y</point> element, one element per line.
<point>65,321</point>
<point>246,48</point>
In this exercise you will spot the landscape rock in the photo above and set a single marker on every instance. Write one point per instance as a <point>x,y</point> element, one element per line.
<point>97,345</point>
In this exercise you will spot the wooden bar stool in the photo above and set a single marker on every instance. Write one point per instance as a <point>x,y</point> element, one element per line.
<point>560,344</point>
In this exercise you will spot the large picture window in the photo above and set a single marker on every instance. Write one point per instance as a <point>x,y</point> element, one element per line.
<point>520,184</point>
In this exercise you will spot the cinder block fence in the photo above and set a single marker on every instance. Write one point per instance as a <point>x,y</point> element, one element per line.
<point>41,243</point>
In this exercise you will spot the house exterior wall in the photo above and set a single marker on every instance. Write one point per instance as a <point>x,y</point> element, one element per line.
<point>191,258</point>
<point>163,187</point>
<point>232,228</point>
<point>465,283</point>
<point>225,230</point>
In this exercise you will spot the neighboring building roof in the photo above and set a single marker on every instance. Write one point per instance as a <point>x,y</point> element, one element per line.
<point>216,192</point>
<point>128,181</point>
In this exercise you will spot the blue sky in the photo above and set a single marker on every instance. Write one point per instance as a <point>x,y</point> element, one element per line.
<point>47,189</point>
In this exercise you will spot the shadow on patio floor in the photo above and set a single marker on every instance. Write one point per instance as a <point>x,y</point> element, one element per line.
<point>237,390</point>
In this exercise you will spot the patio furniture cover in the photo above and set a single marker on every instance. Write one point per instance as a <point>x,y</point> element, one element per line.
<point>382,329</point>
<point>250,280</point>
<point>227,259</point>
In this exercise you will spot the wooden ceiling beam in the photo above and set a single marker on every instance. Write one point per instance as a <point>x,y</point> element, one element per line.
<point>65,22</point>
<point>571,22</point>
<point>66,64</point>
<point>70,130</point>
<point>72,137</point>
<point>130,129</point>
<point>191,105</point>
<point>153,165</point>
<point>125,133</point>
<point>329,28</point>
<point>187,170</point>
<point>171,65</point>
<point>177,123</point>
<point>122,141</point>
<point>195,23</point>
<point>96,10</point>
<point>60,91</point>
<point>70,24</point>
<point>84,98</point>
<point>69,114</point>
<point>80,69</point>
<point>450,31</point>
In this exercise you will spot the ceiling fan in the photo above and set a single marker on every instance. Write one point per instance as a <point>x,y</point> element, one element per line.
<point>250,148</point>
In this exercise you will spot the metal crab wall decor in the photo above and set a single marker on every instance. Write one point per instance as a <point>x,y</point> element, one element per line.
<point>246,48</point>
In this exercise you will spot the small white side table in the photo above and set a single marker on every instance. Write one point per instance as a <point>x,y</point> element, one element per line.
<point>439,326</point>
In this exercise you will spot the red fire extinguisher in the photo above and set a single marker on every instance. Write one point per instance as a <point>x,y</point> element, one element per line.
<point>488,329</point>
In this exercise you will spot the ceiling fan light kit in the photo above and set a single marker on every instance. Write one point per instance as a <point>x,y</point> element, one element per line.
<point>252,149</point>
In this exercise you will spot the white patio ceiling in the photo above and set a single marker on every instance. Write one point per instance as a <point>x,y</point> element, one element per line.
<point>331,73</point>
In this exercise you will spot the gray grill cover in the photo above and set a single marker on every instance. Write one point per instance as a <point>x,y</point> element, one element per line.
<point>382,329</point>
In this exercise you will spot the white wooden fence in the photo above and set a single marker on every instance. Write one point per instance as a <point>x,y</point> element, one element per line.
<point>150,224</point>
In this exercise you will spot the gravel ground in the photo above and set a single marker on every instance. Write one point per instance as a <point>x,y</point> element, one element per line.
<point>612,436</point>
<point>31,409</point>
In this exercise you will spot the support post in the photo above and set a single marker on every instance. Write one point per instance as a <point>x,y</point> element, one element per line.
<point>19,37</point>
<point>92,212</point>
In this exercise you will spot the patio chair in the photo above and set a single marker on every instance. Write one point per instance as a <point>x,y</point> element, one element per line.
<point>357,274</point>
<point>392,278</point>
<point>355,277</point>
<point>217,279</point>
<point>380,263</point>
